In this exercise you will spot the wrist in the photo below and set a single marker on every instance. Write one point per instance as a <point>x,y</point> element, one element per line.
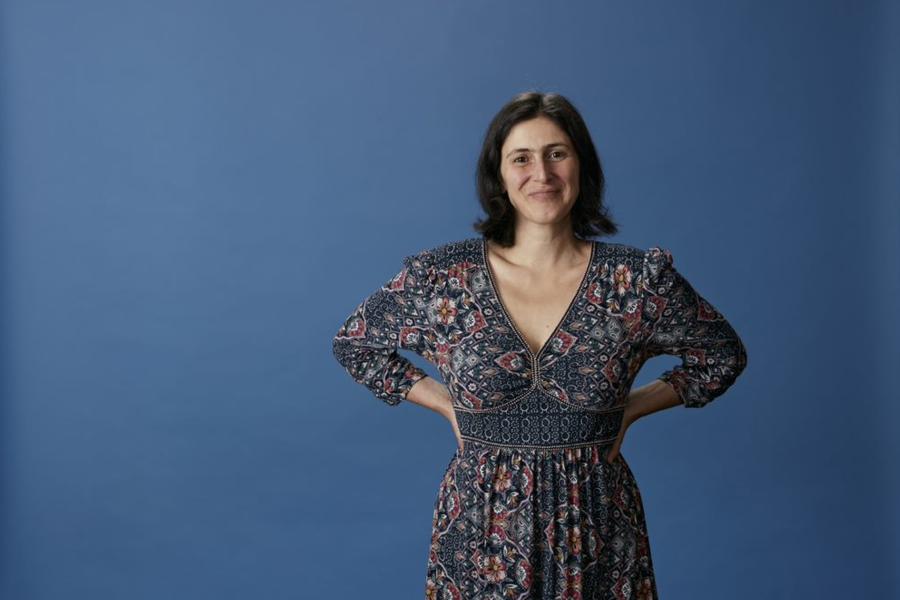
<point>632,411</point>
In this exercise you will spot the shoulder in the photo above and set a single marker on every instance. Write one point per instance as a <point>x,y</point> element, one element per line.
<point>657,258</point>
<point>644,264</point>
<point>444,255</point>
<point>426,269</point>
<point>658,270</point>
<point>620,253</point>
<point>640,260</point>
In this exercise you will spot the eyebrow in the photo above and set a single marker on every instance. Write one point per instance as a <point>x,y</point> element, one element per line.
<point>529,149</point>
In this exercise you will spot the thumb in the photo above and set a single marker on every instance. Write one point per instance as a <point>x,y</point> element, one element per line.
<point>614,449</point>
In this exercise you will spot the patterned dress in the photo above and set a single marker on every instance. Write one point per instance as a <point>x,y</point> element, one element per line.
<point>530,508</point>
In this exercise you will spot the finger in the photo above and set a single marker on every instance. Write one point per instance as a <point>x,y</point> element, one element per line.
<point>610,456</point>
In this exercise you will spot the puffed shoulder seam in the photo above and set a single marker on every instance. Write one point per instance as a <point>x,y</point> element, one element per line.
<point>420,267</point>
<point>422,259</point>
<point>656,260</point>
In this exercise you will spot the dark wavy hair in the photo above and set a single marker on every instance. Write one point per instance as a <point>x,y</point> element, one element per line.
<point>590,216</point>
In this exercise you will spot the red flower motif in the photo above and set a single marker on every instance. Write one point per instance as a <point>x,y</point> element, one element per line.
<point>494,569</point>
<point>622,279</point>
<point>445,310</point>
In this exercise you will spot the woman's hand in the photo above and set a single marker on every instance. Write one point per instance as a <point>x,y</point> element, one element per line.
<point>629,417</point>
<point>614,450</point>
<point>452,418</point>
<point>446,409</point>
<point>645,400</point>
<point>430,393</point>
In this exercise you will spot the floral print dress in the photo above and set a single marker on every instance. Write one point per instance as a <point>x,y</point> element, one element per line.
<point>530,508</point>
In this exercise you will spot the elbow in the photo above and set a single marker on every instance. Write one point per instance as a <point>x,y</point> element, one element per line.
<point>731,368</point>
<point>336,348</point>
<point>339,350</point>
<point>738,361</point>
<point>345,343</point>
<point>741,360</point>
<point>697,387</point>
<point>349,353</point>
<point>732,364</point>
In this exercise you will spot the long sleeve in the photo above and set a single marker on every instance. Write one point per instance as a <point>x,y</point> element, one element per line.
<point>680,322</point>
<point>390,318</point>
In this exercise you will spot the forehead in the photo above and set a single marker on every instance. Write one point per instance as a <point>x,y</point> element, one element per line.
<point>535,133</point>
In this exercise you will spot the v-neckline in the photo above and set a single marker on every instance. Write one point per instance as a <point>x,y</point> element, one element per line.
<point>506,315</point>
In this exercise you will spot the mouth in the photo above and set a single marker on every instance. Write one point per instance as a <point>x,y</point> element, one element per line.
<point>544,194</point>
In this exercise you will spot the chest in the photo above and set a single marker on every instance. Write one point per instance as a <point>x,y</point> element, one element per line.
<point>499,332</point>
<point>536,305</point>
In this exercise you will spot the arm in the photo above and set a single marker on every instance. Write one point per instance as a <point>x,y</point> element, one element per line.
<point>390,318</point>
<point>680,322</point>
<point>648,399</point>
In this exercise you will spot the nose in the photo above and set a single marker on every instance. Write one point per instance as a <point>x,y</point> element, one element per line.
<point>540,170</point>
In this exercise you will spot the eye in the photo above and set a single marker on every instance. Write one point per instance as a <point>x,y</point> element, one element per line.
<point>516,159</point>
<point>560,153</point>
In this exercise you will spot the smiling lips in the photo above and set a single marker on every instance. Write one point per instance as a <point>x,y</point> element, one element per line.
<point>544,193</point>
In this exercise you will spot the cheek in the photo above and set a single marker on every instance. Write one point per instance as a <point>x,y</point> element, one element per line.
<point>571,175</point>
<point>514,179</point>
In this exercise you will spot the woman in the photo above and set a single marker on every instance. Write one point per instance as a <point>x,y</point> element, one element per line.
<point>538,333</point>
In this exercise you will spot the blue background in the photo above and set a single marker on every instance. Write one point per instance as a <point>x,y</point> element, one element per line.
<point>196,194</point>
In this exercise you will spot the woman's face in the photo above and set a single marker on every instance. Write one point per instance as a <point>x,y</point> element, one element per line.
<point>540,171</point>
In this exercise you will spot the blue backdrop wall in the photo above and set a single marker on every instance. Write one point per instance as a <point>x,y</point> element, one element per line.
<point>197,193</point>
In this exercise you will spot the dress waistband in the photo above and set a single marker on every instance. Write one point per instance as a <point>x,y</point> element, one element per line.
<point>538,420</point>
